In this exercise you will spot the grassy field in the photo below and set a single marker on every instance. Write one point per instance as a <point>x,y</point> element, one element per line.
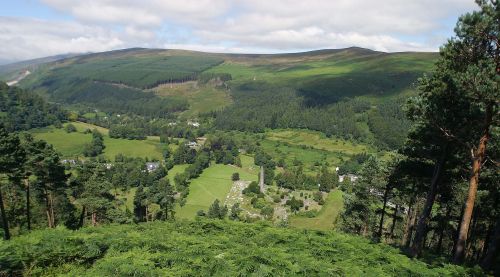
<point>318,140</point>
<point>325,220</point>
<point>68,145</point>
<point>201,99</point>
<point>313,149</point>
<point>247,164</point>
<point>177,169</point>
<point>214,183</point>
<point>71,144</point>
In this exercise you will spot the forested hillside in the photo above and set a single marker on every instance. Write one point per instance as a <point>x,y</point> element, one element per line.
<point>22,110</point>
<point>364,90</point>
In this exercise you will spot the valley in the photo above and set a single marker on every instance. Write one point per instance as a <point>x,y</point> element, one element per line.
<point>331,162</point>
<point>215,181</point>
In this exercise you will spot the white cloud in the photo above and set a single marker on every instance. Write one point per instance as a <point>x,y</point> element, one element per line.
<point>233,25</point>
<point>32,38</point>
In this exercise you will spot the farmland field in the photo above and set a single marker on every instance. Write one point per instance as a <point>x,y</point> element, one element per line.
<point>71,144</point>
<point>317,140</point>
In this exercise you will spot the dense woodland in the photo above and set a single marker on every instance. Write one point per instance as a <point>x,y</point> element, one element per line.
<point>440,196</point>
<point>113,98</point>
<point>260,106</point>
<point>436,197</point>
<point>22,110</point>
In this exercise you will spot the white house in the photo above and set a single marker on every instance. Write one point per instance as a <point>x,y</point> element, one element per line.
<point>192,144</point>
<point>352,177</point>
<point>152,166</point>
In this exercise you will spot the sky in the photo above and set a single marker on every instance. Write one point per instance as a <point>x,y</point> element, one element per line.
<point>39,28</point>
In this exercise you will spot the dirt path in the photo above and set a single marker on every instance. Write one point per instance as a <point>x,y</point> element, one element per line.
<point>19,78</point>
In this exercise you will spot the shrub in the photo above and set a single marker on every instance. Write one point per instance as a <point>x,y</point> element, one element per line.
<point>70,128</point>
<point>193,248</point>
<point>235,176</point>
<point>201,213</point>
<point>252,188</point>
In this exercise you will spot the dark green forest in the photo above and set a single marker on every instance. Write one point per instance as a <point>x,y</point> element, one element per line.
<point>22,110</point>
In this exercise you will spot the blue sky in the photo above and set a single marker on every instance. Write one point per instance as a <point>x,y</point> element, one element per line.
<point>37,28</point>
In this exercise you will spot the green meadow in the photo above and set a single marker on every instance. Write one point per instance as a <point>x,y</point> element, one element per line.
<point>201,98</point>
<point>318,140</point>
<point>214,183</point>
<point>325,220</point>
<point>71,144</point>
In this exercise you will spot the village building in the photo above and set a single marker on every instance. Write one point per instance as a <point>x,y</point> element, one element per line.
<point>192,144</point>
<point>152,166</point>
<point>353,178</point>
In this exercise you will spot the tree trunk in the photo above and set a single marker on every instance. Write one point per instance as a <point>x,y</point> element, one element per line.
<point>441,231</point>
<point>52,210</point>
<point>47,209</point>
<point>411,206</point>
<point>394,220</point>
<point>477,161</point>
<point>492,250</point>
<point>82,218</point>
<point>365,229</point>
<point>381,223</point>
<point>94,219</point>
<point>28,203</point>
<point>470,248</point>
<point>6,232</point>
<point>429,202</point>
<point>412,226</point>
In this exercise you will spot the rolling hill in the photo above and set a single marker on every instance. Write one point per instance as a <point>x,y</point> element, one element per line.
<point>363,89</point>
<point>316,75</point>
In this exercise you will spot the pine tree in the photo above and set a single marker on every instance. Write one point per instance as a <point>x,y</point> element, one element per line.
<point>162,194</point>
<point>12,158</point>
<point>51,181</point>
<point>216,210</point>
<point>474,63</point>
<point>359,214</point>
<point>96,198</point>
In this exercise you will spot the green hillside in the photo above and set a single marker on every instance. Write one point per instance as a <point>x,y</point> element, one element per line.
<point>350,93</point>
<point>205,248</point>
